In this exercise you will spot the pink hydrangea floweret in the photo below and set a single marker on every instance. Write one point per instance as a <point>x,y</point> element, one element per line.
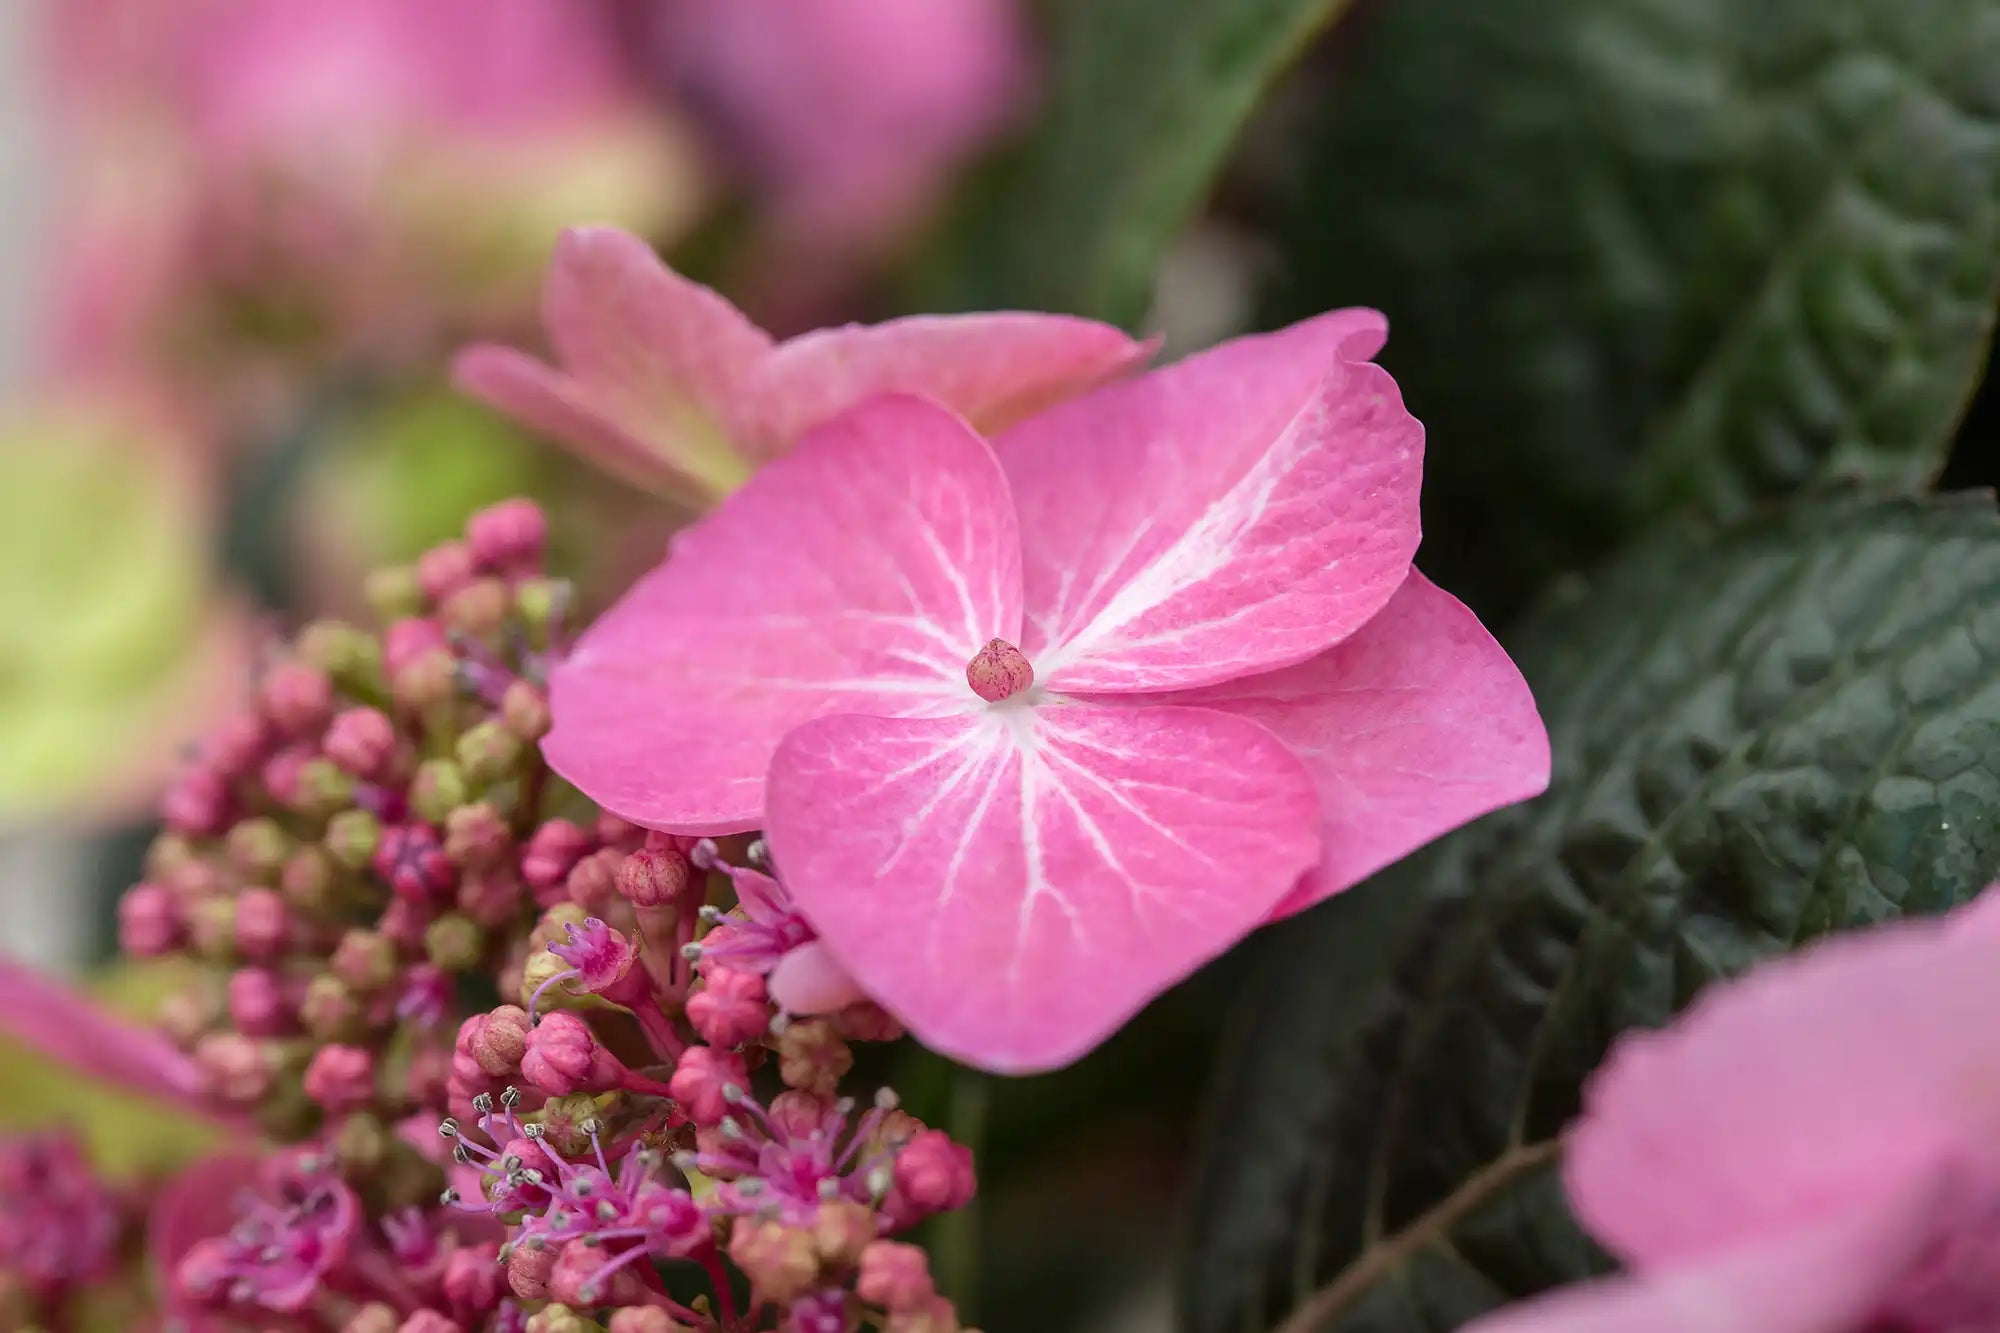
<point>1809,1149</point>
<point>1034,727</point>
<point>666,384</point>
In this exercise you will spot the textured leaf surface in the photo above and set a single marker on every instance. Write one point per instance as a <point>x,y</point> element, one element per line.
<point>1147,97</point>
<point>1788,727</point>
<point>1639,253</point>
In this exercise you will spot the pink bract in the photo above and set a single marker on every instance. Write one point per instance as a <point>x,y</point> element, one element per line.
<point>1237,699</point>
<point>1812,1149</point>
<point>662,382</point>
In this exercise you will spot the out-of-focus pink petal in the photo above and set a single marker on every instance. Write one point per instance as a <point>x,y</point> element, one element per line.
<point>1415,724</point>
<point>1828,1276</point>
<point>64,1026</point>
<point>551,403</point>
<point>1015,883</point>
<point>810,980</point>
<point>992,369</point>
<point>654,357</point>
<point>1241,510</point>
<point>859,573</point>
<point>197,1202</point>
<point>1816,1081</point>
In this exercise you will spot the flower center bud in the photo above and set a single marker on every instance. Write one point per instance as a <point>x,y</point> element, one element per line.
<point>999,671</point>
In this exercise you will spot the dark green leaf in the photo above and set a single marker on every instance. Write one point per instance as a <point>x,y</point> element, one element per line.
<point>1642,253</point>
<point>1760,734</point>
<point>1148,96</point>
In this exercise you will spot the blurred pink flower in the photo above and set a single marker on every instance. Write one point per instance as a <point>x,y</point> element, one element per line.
<point>1812,1149</point>
<point>850,114</point>
<point>666,384</point>
<point>292,173</point>
<point>1035,728</point>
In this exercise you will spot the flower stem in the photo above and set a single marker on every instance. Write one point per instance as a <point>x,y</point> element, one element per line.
<point>955,1236</point>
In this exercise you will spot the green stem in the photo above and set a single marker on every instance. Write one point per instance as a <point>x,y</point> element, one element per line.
<point>955,1241</point>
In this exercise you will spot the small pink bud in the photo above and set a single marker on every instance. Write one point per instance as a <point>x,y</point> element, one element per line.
<point>297,699</point>
<point>998,671</point>
<point>263,924</point>
<point>823,1311</point>
<point>257,848</point>
<point>552,852</point>
<point>374,1317</point>
<point>412,862</point>
<point>364,961</point>
<point>352,837</point>
<point>437,789</point>
<point>426,681</point>
<point>653,877</point>
<point>475,836</point>
<point>197,803</point>
<point>644,1319</point>
<point>411,640</point>
<point>841,1230</point>
<point>306,880</point>
<point>934,1174</point>
<point>341,1078</point>
<point>528,1268</point>
<point>473,1283</point>
<point>508,537</point>
<point>492,898</point>
<point>593,881</point>
<point>148,922</point>
<point>564,1057</point>
<point>488,753</point>
<point>329,1009</point>
<point>444,569</point>
<point>894,1276</point>
<point>574,1280</point>
<point>237,744</point>
<point>477,607</point>
<point>700,1077</point>
<point>935,1315</point>
<point>524,711</point>
<point>615,832</point>
<point>362,741</point>
<point>258,1005</point>
<point>730,1008</point>
<point>813,1056</point>
<point>237,1068</point>
<point>778,1259</point>
<point>865,1020</point>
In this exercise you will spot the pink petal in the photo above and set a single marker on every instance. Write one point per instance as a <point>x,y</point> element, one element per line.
<point>1829,1276</point>
<point>552,403</point>
<point>810,980</point>
<point>859,573</point>
<point>1239,511</point>
<point>653,357</point>
<point>994,370</point>
<point>1015,883</point>
<point>1416,724</point>
<point>1834,1075</point>
<point>197,1202</point>
<point>61,1024</point>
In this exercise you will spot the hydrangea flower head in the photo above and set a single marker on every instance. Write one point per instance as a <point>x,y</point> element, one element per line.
<point>1036,727</point>
<point>1812,1149</point>
<point>666,384</point>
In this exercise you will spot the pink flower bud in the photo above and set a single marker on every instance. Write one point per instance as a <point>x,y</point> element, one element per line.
<point>473,1283</point>
<point>612,831</point>
<point>306,880</point>
<point>297,699</point>
<point>813,1056</point>
<point>778,1259</point>
<point>593,881</point>
<point>934,1174</point>
<point>653,877</point>
<point>374,1317</point>
<point>148,922</point>
<point>700,1077</point>
<point>497,1040</point>
<point>477,607</point>
<point>426,681</point>
<point>362,741</point>
<point>411,861</point>
<point>644,1319</point>
<point>575,1279</point>
<point>524,711</point>
<point>411,640</point>
<point>258,1005</point>
<point>894,1276</point>
<point>552,852</point>
<point>444,569</point>
<point>283,775</point>
<point>730,1008</point>
<point>508,537</point>
<point>565,1057</point>
<point>529,1266</point>
<point>263,924</point>
<point>867,1021</point>
<point>999,671</point>
<point>364,961</point>
<point>237,744</point>
<point>236,1067</point>
<point>341,1078</point>
<point>476,836</point>
<point>329,1010</point>
<point>197,802</point>
<point>932,1316</point>
<point>491,898</point>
